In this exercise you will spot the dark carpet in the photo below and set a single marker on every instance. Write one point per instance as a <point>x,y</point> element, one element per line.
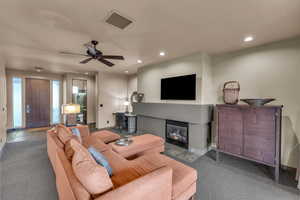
<point>26,172</point>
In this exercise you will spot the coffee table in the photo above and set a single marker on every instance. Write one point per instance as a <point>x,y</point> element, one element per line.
<point>142,144</point>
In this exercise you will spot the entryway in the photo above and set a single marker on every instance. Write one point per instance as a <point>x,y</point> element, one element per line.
<point>35,101</point>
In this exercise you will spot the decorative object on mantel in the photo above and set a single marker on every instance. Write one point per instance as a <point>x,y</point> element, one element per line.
<point>136,97</point>
<point>258,102</point>
<point>231,92</point>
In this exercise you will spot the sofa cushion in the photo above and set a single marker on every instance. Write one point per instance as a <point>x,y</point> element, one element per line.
<point>83,129</point>
<point>63,133</point>
<point>100,159</point>
<point>91,175</point>
<point>69,151</point>
<point>141,144</point>
<point>123,171</point>
<point>183,175</point>
<point>76,132</point>
<point>153,186</point>
<point>95,142</point>
<point>106,136</point>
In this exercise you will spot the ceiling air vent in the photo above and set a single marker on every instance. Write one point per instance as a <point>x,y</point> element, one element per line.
<point>117,20</point>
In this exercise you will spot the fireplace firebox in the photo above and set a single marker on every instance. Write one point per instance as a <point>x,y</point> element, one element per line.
<point>177,133</point>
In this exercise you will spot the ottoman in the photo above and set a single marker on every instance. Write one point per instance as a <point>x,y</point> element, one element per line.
<point>142,144</point>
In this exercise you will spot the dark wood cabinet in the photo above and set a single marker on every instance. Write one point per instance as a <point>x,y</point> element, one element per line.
<point>252,133</point>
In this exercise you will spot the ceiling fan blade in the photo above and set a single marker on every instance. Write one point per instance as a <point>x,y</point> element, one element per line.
<point>70,53</point>
<point>113,57</point>
<point>106,62</point>
<point>86,60</point>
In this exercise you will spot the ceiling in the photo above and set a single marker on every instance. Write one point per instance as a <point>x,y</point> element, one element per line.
<point>32,32</point>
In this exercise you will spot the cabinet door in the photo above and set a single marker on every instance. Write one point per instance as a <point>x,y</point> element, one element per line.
<point>230,130</point>
<point>259,134</point>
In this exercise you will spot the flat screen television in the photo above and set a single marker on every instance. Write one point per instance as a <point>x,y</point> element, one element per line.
<point>178,88</point>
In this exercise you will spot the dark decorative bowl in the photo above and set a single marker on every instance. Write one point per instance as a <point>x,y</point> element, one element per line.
<point>257,102</point>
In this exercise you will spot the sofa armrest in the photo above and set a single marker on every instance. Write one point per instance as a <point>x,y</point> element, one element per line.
<point>153,186</point>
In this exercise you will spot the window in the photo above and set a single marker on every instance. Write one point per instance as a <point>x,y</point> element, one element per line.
<point>55,102</point>
<point>17,102</point>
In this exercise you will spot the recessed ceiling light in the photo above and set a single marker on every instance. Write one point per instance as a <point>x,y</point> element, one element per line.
<point>248,39</point>
<point>38,69</point>
<point>126,72</point>
<point>139,61</point>
<point>162,53</point>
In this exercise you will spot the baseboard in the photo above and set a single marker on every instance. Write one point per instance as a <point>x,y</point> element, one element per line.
<point>14,129</point>
<point>212,146</point>
<point>289,169</point>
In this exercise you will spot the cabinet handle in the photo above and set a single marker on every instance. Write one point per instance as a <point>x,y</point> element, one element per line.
<point>27,108</point>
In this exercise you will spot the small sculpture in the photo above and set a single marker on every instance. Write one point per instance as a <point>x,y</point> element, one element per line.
<point>136,97</point>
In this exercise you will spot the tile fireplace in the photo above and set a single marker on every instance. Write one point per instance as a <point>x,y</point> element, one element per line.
<point>177,133</point>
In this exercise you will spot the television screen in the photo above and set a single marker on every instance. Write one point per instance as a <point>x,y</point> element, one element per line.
<point>178,88</point>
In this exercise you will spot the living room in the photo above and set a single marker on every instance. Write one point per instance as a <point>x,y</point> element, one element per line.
<point>157,73</point>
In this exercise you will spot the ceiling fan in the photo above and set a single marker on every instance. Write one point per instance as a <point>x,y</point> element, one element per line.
<point>94,53</point>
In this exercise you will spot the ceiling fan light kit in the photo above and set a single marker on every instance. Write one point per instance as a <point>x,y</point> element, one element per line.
<point>94,54</point>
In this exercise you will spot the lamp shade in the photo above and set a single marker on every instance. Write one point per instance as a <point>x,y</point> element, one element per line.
<point>70,108</point>
<point>126,103</point>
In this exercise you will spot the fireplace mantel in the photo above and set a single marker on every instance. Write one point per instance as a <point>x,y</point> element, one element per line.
<point>191,113</point>
<point>152,119</point>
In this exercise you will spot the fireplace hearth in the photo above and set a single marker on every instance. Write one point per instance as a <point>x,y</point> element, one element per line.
<point>177,133</point>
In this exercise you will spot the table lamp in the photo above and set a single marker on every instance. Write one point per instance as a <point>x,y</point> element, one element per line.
<point>70,110</point>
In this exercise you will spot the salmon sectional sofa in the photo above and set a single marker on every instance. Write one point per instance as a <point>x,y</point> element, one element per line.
<point>149,176</point>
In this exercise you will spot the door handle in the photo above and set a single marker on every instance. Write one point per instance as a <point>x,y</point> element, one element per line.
<point>27,108</point>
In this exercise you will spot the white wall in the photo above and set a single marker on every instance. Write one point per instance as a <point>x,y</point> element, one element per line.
<point>132,84</point>
<point>3,115</point>
<point>112,92</point>
<point>149,77</point>
<point>267,71</point>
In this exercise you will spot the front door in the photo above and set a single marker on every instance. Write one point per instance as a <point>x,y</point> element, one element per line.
<point>37,101</point>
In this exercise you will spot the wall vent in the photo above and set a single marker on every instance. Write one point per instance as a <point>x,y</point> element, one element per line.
<point>117,20</point>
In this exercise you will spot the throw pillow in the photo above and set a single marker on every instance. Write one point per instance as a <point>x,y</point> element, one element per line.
<point>100,159</point>
<point>69,151</point>
<point>63,133</point>
<point>76,132</point>
<point>91,175</point>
